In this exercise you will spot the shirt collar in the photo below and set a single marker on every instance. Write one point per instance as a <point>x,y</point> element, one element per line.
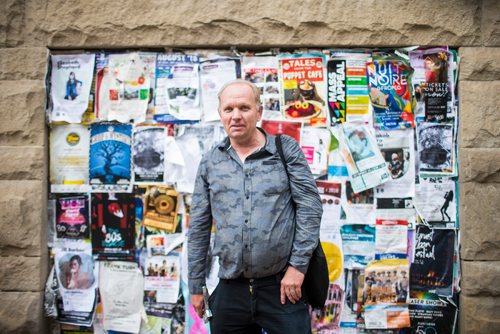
<point>270,145</point>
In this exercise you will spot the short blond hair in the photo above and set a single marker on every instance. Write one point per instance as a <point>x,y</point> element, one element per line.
<point>255,89</point>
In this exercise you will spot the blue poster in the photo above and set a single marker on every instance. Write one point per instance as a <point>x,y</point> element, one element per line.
<point>109,161</point>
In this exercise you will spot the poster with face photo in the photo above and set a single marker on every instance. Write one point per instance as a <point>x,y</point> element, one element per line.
<point>71,79</point>
<point>263,72</point>
<point>148,153</point>
<point>436,149</point>
<point>162,279</point>
<point>76,274</point>
<point>397,148</point>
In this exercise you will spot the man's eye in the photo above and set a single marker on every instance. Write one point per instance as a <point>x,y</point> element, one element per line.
<point>227,110</point>
<point>245,108</point>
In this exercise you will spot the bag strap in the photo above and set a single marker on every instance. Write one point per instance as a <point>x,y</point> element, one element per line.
<point>279,147</point>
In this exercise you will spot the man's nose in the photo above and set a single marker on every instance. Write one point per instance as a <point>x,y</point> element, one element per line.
<point>236,113</point>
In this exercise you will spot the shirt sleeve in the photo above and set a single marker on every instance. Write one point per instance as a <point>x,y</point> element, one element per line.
<point>308,208</point>
<point>200,225</point>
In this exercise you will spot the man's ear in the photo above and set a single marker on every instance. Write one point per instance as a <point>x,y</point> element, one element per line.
<point>261,109</point>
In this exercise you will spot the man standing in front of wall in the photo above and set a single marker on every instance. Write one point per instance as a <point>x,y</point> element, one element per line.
<point>266,223</point>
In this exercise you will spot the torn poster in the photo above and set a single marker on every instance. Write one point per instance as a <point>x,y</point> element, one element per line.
<point>263,72</point>
<point>365,164</point>
<point>71,80</point>
<point>358,245</point>
<point>397,148</point>
<point>177,88</point>
<point>121,289</point>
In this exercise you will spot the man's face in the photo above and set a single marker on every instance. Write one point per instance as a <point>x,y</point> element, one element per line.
<point>238,112</point>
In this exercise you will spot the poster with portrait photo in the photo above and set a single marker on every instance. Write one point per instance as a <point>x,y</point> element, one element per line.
<point>76,274</point>
<point>358,207</point>
<point>365,164</point>
<point>71,79</point>
<point>397,148</point>
<point>148,153</point>
<point>436,149</point>
<point>161,279</point>
<point>72,217</point>
<point>263,72</point>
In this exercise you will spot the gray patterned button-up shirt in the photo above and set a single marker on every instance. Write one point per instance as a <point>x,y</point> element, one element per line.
<point>258,229</point>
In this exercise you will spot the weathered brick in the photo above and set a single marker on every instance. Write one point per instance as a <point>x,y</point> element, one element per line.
<point>23,63</point>
<point>479,64</point>
<point>490,24</point>
<point>23,273</point>
<point>22,106</point>
<point>479,121</point>
<point>479,278</point>
<point>23,163</point>
<point>479,164</point>
<point>22,312</point>
<point>479,315</point>
<point>479,221</point>
<point>23,218</point>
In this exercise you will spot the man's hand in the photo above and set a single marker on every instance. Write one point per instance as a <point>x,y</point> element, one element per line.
<point>198,304</point>
<point>291,285</point>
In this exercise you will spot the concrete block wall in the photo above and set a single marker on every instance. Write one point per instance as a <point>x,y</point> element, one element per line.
<point>29,27</point>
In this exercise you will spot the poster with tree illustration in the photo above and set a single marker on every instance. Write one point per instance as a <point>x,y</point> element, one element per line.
<point>109,163</point>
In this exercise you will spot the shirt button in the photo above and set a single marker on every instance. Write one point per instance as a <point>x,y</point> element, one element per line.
<point>246,220</point>
<point>248,197</point>
<point>246,246</point>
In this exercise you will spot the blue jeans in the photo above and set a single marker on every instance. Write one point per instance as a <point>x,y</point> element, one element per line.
<point>243,306</point>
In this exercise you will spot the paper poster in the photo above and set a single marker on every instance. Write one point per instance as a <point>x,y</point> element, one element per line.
<point>397,208</point>
<point>397,148</point>
<point>433,83</point>
<point>353,297</point>
<point>126,87</point>
<point>358,100</point>
<point>436,201</point>
<point>148,152</point>
<point>386,290</point>
<point>161,208</point>
<point>69,158</point>
<point>432,268</point>
<point>329,234</point>
<point>391,239</point>
<point>315,146</point>
<point>359,207</point>
<point>337,170</point>
<point>113,221</point>
<point>336,75</point>
<point>358,245</point>
<point>101,106</point>
<point>121,289</point>
<point>303,88</point>
<point>177,88</point>
<point>162,279</point>
<point>365,164</point>
<point>292,129</point>
<point>214,73</point>
<point>110,165</point>
<point>149,61</point>
<point>263,72</point>
<point>430,313</point>
<point>389,82</point>
<point>436,149</point>
<point>76,274</point>
<point>72,217</point>
<point>327,320</point>
<point>71,79</point>
<point>162,244</point>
